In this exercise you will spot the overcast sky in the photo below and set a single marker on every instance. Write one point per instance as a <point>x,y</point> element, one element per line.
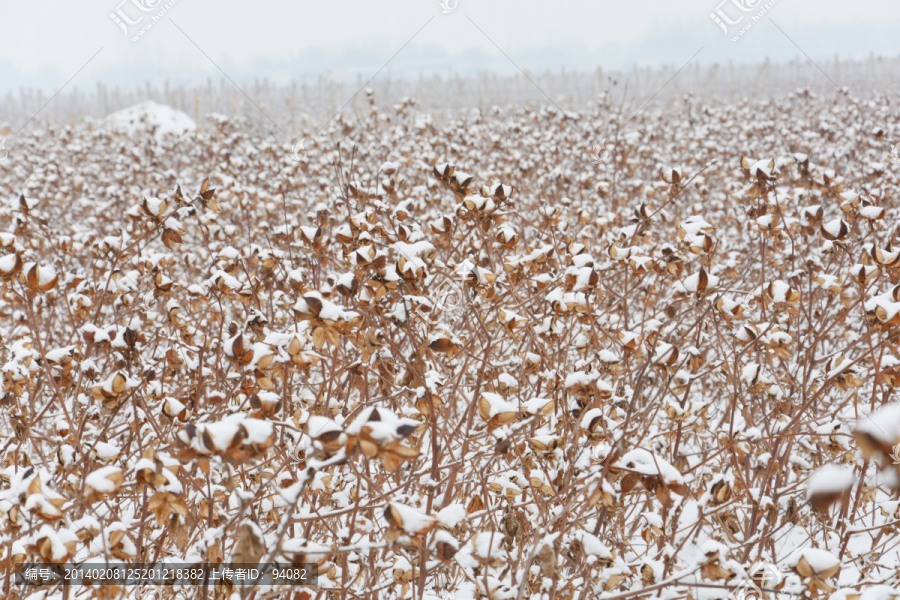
<point>43,43</point>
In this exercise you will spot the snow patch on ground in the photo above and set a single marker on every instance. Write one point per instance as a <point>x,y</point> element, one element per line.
<point>159,118</point>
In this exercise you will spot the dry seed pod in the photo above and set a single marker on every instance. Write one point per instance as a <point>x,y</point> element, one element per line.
<point>394,454</point>
<point>863,274</point>
<point>762,170</point>
<point>729,307</point>
<point>162,283</point>
<point>672,175</point>
<point>878,435</point>
<point>165,506</point>
<point>543,444</point>
<point>617,253</point>
<point>154,207</point>
<point>872,212</point>
<point>175,409</point>
<point>592,419</point>
<point>10,265</point>
<point>444,343</point>
<point>325,431</point>
<point>813,214</point>
<point>446,546</point>
<point>666,354</point>
<point>815,566</point>
<point>720,491</point>
<point>829,485</point>
<point>171,238</point>
<point>629,340</point>
<point>54,546</point>
<point>442,225</point>
<point>40,278</point>
<point>835,230</point>
<point>460,181</point>
<point>103,482</point>
<point>495,410</point>
<point>408,519</point>
<point>238,350</point>
<point>699,282</point>
<point>885,257</point>
<point>112,387</point>
<point>443,171</point>
<point>507,237</point>
<point>781,293</point>
<point>850,201</point>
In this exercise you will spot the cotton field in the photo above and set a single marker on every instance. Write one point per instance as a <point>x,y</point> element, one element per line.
<point>514,352</point>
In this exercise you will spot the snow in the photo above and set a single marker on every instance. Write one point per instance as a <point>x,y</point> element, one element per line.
<point>593,545</point>
<point>155,206</point>
<point>508,380</point>
<point>579,379</point>
<point>589,416</point>
<point>327,310</point>
<point>630,370</point>
<point>382,424</point>
<point>258,431</point>
<point>834,227</point>
<point>779,291</point>
<point>318,425</point>
<point>8,263</point>
<point>486,544</point>
<point>413,254</point>
<point>883,424</point>
<point>452,515</point>
<point>412,519</point>
<point>229,253</point>
<point>696,224</point>
<point>692,283</point>
<point>874,212</point>
<point>58,354</point>
<point>106,451</point>
<point>763,167</point>
<point>57,541</point>
<point>221,434</point>
<point>819,560</point>
<point>45,274</point>
<point>149,115</point>
<point>497,404</point>
<point>663,352</point>
<point>750,373</point>
<point>879,592</point>
<point>173,406</point>
<point>646,463</point>
<point>535,406</point>
<point>829,479</point>
<point>103,479</point>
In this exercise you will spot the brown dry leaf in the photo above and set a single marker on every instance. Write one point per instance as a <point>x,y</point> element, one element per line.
<point>163,504</point>
<point>249,546</point>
